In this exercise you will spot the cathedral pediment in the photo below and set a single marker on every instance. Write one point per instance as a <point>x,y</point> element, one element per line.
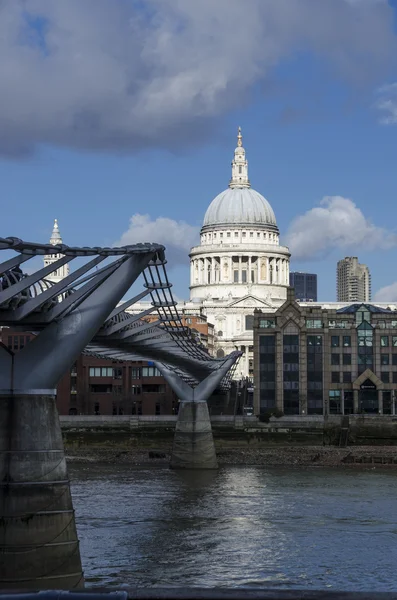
<point>249,302</point>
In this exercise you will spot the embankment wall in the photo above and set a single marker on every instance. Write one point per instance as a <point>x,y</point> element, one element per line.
<point>126,432</point>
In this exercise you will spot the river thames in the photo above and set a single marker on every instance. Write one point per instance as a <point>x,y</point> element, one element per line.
<point>312,528</point>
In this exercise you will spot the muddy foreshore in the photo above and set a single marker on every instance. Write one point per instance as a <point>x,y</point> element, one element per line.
<point>330,456</point>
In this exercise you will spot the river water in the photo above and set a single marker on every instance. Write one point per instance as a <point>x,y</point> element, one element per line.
<point>312,528</point>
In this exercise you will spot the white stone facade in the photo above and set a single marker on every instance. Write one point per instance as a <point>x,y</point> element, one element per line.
<point>239,264</point>
<point>49,259</point>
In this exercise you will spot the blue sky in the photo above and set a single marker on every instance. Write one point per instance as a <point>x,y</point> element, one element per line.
<point>109,122</point>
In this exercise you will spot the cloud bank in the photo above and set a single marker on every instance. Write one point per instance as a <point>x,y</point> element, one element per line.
<point>178,237</point>
<point>336,223</point>
<point>386,294</point>
<point>387,104</point>
<point>126,74</point>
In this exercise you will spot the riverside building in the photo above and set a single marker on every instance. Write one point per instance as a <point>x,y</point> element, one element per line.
<point>326,359</point>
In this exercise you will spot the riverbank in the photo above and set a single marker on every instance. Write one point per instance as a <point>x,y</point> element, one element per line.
<point>379,456</point>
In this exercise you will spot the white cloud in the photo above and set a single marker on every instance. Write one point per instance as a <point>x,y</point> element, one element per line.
<point>336,223</point>
<point>386,294</point>
<point>178,237</point>
<point>108,74</point>
<point>387,104</point>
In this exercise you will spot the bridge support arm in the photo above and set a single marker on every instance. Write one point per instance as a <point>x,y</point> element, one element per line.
<point>193,446</point>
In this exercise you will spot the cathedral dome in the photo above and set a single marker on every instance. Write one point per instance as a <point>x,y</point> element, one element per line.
<point>239,206</point>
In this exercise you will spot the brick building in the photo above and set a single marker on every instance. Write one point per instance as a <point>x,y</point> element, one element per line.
<point>105,387</point>
<point>318,360</point>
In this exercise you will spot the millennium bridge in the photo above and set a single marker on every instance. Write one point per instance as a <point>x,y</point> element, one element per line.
<point>86,311</point>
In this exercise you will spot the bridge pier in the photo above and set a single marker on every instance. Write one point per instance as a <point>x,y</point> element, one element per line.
<point>193,446</point>
<point>39,547</point>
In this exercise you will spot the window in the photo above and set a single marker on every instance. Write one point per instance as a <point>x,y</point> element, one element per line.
<point>235,276</point>
<point>221,235</point>
<point>101,371</point>
<point>347,359</point>
<point>385,377</point>
<point>244,234</point>
<point>236,234</point>
<point>347,341</point>
<point>334,401</point>
<point>249,322</point>
<point>96,408</point>
<point>335,377</point>
<point>157,408</point>
<point>258,235</point>
<point>150,372</point>
<point>335,359</point>
<point>394,376</point>
<point>220,333</point>
<point>394,359</point>
<point>228,234</point>
<point>135,373</point>
<point>381,324</point>
<point>338,324</point>
<point>117,373</point>
<point>394,340</point>
<point>384,341</point>
<point>313,323</point>
<point>99,388</point>
<point>251,234</point>
<point>267,323</point>
<point>153,388</point>
<point>135,390</point>
<point>384,359</point>
<point>244,276</point>
<point>347,377</point>
<point>335,341</point>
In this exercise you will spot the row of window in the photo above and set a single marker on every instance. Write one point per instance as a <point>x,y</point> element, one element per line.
<point>136,390</point>
<point>347,377</point>
<point>264,235</point>
<point>117,373</point>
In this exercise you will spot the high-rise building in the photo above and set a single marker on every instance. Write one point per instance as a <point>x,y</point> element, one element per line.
<point>353,281</point>
<point>305,286</point>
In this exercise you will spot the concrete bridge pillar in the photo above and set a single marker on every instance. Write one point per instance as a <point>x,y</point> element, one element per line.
<point>193,446</point>
<point>39,548</point>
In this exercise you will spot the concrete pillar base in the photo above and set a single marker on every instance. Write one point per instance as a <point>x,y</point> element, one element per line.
<point>193,442</point>
<point>39,548</point>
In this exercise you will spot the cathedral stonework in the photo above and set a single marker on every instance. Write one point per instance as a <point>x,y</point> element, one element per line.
<point>239,264</point>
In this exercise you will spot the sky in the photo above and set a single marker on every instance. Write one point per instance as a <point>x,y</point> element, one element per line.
<point>119,118</point>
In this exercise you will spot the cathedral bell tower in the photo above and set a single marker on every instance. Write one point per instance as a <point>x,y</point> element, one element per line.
<point>49,259</point>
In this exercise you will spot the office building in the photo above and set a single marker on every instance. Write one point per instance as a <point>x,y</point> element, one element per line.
<point>320,359</point>
<point>305,286</point>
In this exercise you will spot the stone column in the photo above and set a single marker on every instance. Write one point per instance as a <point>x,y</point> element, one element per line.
<point>38,541</point>
<point>249,270</point>
<point>355,402</point>
<point>240,277</point>
<point>380,402</point>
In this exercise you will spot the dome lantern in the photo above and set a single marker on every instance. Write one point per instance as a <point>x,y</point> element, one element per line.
<point>240,205</point>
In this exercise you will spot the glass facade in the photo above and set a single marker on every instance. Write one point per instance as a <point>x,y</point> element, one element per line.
<point>267,367</point>
<point>315,374</point>
<point>291,374</point>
